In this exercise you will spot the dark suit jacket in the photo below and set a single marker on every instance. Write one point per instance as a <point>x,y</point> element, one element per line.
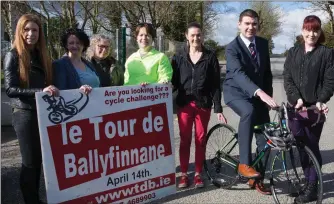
<point>243,75</point>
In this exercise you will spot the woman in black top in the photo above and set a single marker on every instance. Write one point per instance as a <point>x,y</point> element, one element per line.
<point>309,80</point>
<point>108,69</point>
<point>27,69</point>
<point>196,77</point>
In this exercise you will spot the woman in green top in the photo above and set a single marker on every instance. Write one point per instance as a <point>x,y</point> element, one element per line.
<point>147,65</point>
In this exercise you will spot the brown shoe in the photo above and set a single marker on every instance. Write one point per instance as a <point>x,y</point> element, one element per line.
<point>259,186</point>
<point>248,171</point>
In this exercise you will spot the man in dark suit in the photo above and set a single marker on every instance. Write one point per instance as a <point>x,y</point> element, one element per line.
<point>248,92</point>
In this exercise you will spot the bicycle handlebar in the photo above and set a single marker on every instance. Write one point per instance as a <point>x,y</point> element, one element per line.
<point>294,110</point>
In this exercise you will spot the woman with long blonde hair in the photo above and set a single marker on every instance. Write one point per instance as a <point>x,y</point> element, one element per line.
<point>27,69</point>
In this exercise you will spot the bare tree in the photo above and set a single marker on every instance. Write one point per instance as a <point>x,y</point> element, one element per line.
<point>269,18</point>
<point>326,7</point>
<point>12,11</point>
<point>113,12</point>
<point>155,12</point>
<point>6,10</point>
<point>270,23</point>
<point>102,15</point>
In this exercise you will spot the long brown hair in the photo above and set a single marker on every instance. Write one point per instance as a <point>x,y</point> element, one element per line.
<point>23,51</point>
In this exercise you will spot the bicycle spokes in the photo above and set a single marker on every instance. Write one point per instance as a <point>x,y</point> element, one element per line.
<point>290,176</point>
<point>221,156</point>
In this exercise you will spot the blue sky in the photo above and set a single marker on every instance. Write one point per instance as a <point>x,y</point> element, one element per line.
<point>285,5</point>
<point>293,15</point>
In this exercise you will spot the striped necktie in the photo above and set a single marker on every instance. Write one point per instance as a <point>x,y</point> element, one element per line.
<point>253,52</point>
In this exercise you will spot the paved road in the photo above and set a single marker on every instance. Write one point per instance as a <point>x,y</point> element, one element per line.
<point>11,164</point>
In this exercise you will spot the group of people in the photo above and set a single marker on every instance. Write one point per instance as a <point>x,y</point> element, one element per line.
<point>194,72</point>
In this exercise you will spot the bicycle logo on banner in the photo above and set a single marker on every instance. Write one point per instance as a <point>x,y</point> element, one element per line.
<point>61,110</point>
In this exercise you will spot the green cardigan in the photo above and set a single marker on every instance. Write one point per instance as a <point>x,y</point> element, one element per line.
<point>152,68</point>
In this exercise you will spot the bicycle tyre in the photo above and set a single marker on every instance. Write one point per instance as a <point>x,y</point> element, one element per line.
<point>215,165</point>
<point>289,196</point>
<point>55,117</point>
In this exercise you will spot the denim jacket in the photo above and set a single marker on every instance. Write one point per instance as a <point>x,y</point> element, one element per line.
<point>65,75</point>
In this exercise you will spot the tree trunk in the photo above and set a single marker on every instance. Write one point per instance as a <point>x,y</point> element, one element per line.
<point>6,9</point>
<point>332,23</point>
<point>171,46</point>
<point>331,17</point>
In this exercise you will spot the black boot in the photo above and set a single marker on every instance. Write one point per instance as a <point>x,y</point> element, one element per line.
<point>310,194</point>
<point>29,184</point>
<point>300,191</point>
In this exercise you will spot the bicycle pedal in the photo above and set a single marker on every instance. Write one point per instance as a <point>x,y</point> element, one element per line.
<point>217,182</point>
<point>242,179</point>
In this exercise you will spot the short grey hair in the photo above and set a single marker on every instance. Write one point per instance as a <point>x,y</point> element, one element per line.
<point>93,42</point>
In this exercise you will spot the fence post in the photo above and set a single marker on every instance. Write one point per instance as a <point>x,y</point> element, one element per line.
<point>118,44</point>
<point>161,43</point>
<point>121,45</point>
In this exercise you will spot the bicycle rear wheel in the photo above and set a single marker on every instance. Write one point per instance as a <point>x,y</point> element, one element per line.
<point>288,179</point>
<point>222,156</point>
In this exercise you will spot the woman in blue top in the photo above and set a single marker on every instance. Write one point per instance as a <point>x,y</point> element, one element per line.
<point>72,71</point>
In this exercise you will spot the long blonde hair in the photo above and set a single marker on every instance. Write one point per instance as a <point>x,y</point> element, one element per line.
<point>23,51</point>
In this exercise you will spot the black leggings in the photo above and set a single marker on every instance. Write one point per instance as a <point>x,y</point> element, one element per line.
<point>26,128</point>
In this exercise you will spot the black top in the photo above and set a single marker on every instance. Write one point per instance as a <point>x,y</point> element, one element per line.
<point>198,82</point>
<point>21,97</point>
<point>309,76</point>
<point>109,71</point>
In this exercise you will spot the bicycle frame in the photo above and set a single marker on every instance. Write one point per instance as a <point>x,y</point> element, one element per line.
<point>226,158</point>
<point>283,155</point>
<point>260,155</point>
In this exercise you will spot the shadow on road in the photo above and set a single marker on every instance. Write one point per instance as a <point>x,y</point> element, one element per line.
<point>181,193</point>
<point>10,191</point>
<point>7,134</point>
<point>328,179</point>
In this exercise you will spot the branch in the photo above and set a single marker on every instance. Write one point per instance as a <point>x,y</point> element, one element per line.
<point>94,21</point>
<point>164,18</point>
<point>44,9</point>
<point>54,8</point>
<point>84,5</point>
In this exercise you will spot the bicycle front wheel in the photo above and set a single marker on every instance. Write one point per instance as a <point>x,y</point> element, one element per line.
<point>292,171</point>
<point>222,156</point>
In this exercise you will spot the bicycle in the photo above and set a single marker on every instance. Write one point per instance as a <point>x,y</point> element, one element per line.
<point>59,107</point>
<point>221,165</point>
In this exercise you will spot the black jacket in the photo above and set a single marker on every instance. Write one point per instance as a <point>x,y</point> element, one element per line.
<point>309,76</point>
<point>109,71</point>
<point>243,75</point>
<point>23,98</point>
<point>198,82</point>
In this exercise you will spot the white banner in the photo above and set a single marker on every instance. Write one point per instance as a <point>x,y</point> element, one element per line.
<point>114,145</point>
